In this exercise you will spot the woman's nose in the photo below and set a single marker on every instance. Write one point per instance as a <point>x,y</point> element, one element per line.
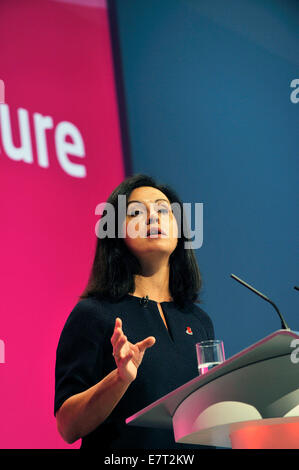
<point>153,217</point>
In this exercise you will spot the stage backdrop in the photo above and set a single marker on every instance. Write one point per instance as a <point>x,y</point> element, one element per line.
<point>212,92</point>
<point>60,156</point>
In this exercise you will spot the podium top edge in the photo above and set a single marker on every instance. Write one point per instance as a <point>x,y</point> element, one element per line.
<point>213,373</point>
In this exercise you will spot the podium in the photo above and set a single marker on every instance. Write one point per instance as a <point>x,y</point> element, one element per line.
<point>249,401</point>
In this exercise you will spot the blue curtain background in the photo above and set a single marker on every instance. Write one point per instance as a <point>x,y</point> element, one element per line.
<point>207,89</point>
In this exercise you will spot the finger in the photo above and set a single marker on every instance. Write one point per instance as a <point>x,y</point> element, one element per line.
<point>146,343</point>
<point>117,324</point>
<point>119,345</point>
<point>117,330</point>
<point>116,335</point>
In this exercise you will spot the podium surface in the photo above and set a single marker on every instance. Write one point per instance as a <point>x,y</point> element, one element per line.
<point>256,387</point>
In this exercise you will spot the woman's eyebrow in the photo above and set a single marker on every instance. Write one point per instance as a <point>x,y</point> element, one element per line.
<point>141,202</point>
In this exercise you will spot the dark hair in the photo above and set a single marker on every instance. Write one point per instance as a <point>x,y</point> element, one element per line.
<point>114,265</point>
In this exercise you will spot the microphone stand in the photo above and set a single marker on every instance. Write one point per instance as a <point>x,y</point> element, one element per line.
<point>284,325</point>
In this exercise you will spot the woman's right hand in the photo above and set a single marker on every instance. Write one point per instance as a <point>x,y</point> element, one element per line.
<point>128,356</point>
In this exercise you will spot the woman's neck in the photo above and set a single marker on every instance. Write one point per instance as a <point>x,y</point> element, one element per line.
<point>154,284</point>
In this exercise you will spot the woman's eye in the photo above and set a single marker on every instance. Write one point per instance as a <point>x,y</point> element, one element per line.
<point>134,213</point>
<point>163,210</point>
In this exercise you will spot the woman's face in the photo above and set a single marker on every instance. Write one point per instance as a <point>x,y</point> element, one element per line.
<point>149,212</point>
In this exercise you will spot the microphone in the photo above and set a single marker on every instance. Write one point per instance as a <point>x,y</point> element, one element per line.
<point>284,325</point>
<point>144,301</point>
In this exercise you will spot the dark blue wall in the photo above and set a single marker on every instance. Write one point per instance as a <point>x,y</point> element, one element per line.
<point>207,88</point>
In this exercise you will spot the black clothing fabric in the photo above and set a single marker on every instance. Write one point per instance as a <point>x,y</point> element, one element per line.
<point>84,357</point>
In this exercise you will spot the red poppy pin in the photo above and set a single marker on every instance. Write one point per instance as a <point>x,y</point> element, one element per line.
<point>189,331</point>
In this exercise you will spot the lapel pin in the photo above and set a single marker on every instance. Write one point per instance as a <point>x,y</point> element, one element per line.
<point>189,331</point>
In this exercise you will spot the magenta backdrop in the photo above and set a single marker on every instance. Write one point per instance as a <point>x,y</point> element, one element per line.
<point>56,62</point>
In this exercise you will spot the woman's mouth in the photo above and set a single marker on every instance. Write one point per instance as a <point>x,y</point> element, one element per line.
<point>155,232</point>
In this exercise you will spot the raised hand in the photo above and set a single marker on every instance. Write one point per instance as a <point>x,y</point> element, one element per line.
<point>128,356</point>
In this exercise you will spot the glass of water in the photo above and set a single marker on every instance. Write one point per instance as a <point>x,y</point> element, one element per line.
<point>209,354</point>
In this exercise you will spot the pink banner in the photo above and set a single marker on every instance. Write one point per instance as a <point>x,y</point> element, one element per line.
<point>60,155</point>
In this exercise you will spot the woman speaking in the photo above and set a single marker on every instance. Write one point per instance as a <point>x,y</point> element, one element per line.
<point>131,337</point>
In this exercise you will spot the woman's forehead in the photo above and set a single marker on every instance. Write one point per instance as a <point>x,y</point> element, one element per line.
<point>147,194</point>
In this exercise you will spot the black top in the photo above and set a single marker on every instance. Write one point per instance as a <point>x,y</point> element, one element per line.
<point>84,357</point>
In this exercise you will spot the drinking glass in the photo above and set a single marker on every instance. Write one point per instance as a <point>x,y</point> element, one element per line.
<point>209,354</point>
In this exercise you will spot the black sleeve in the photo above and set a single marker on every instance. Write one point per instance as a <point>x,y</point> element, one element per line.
<point>210,328</point>
<point>78,357</point>
<point>207,322</point>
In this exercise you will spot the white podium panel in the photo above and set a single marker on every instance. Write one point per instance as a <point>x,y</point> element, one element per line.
<point>259,384</point>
